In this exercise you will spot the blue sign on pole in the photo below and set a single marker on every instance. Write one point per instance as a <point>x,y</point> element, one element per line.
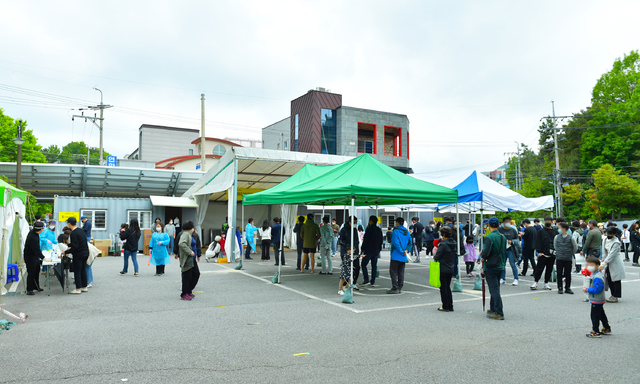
<point>112,161</point>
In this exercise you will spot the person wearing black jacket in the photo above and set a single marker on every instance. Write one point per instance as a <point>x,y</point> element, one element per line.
<point>132,236</point>
<point>546,253</point>
<point>348,255</point>
<point>446,256</point>
<point>300,242</point>
<point>33,257</point>
<point>370,250</point>
<point>528,247</point>
<point>418,228</point>
<point>80,250</point>
<point>634,235</point>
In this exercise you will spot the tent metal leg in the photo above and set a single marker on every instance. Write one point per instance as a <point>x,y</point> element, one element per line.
<point>281,248</point>
<point>351,229</point>
<point>233,200</point>
<point>458,230</point>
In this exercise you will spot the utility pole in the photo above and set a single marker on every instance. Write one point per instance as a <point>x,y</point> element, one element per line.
<point>519,178</point>
<point>516,178</point>
<point>101,107</point>
<point>557,179</point>
<point>202,139</point>
<point>19,141</point>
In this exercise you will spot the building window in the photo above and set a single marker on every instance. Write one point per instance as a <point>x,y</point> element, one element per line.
<point>97,217</point>
<point>143,217</point>
<point>392,141</point>
<point>219,150</point>
<point>295,142</point>
<point>387,221</point>
<point>366,138</point>
<point>191,152</point>
<point>328,132</point>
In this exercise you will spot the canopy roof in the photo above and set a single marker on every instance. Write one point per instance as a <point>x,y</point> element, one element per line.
<point>364,178</point>
<point>8,192</point>
<point>47,180</point>
<point>169,201</point>
<point>258,169</point>
<point>476,187</point>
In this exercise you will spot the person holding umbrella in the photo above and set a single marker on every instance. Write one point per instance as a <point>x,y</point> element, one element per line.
<point>493,258</point>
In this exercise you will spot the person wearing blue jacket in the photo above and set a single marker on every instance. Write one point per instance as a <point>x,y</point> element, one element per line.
<point>159,253</point>
<point>48,237</point>
<point>400,245</point>
<point>86,227</point>
<point>278,244</point>
<point>596,298</point>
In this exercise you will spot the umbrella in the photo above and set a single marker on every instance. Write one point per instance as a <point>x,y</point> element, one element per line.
<point>484,294</point>
<point>58,270</point>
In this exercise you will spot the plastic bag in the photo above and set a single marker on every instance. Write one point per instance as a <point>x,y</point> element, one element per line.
<point>434,274</point>
<point>477,286</point>
<point>347,298</point>
<point>457,285</point>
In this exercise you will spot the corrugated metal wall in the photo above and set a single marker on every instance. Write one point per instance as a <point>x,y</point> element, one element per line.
<point>116,211</point>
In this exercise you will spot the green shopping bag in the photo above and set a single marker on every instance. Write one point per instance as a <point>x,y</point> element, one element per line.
<point>478,284</point>
<point>457,286</point>
<point>434,274</point>
<point>347,298</point>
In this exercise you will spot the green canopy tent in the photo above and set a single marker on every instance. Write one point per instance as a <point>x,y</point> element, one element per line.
<point>359,181</point>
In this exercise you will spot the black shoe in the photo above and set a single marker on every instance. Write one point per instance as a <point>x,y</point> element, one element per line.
<point>248,258</point>
<point>635,265</point>
<point>560,292</point>
<point>40,290</point>
<point>321,273</point>
<point>393,291</point>
<point>569,291</point>
<point>531,275</point>
<point>276,264</point>
<point>30,293</point>
<point>298,268</point>
<point>523,274</point>
<point>283,264</point>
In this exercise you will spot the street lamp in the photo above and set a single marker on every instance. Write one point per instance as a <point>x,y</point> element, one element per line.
<point>19,141</point>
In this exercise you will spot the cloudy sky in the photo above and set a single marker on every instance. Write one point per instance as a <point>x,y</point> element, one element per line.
<point>473,76</point>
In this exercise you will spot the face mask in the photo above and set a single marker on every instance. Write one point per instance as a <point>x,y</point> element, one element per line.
<point>507,225</point>
<point>158,229</point>
<point>547,225</point>
<point>609,237</point>
<point>591,268</point>
<point>52,227</point>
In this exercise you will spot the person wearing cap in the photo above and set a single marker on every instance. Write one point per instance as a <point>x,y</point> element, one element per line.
<point>546,253</point>
<point>86,227</point>
<point>33,257</point>
<point>80,250</point>
<point>493,258</point>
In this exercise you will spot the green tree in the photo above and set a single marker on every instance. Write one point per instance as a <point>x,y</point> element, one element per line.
<point>52,153</point>
<point>33,207</point>
<point>76,153</point>
<point>9,150</point>
<point>615,192</point>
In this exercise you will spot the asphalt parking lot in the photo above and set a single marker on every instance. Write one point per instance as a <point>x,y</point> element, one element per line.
<point>241,328</point>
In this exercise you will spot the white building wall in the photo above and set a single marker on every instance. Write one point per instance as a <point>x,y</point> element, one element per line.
<point>276,135</point>
<point>159,143</point>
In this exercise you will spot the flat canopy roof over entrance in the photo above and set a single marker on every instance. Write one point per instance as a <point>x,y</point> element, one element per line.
<point>47,180</point>
<point>257,170</point>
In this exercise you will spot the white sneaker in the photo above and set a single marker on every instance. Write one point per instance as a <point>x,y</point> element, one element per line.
<point>502,281</point>
<point>534,286</point>
<point>84,290</point>
<point>547,286</point>
<point>90,285</point>
<point>515,282</point>
<point>75,292</point>
<point>341,292</point>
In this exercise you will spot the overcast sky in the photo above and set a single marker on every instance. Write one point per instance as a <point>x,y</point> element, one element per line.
<point>473,76</point>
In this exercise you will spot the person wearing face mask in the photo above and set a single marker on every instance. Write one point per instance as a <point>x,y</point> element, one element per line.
<point>593,241</point>
<point>159,254</point>
<point>170,230</point>
<point>188,265</point>
<point>511,234</point>
<point>565,246</point>
<point>176,223</point>
<point>546,253</point>
<point>612,264</point>
<point>48,236</point>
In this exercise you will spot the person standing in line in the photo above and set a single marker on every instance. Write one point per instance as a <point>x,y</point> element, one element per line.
<point>299,242</point>
<point>389,235</point>
<point>370,250</point>
<point>445,255</point>
<point>132,236</point>
<point>310,233</point>
<point>565,246</point>
<point>249,238</point>
<point>528,247</point>
<point>596,297</point>
<point>429,229</point>
<point>176,223</point>
<point>612,264</point>
<point>626,240</point>
<point>170,230</point>
<point>634,235</point>
<point>159,254</point>
<point>536,224</point>
<point>593,241</point>
<point>418,230</point>
<point>80,250</point>
<point>360,233</point>
<point>336,233</point>
<point>326,242</point>
<point>546,253</point>
<point>188,266</point>
<point>277,240</point>
<point>493,258</point>
<point>511,234</point>
<point>400,246</point>
<point>348,254</point>
<point>33,257</point>
<point>86,227</point>
<point>471,256</point>
<point>577,236</point>
<point>265,236</point>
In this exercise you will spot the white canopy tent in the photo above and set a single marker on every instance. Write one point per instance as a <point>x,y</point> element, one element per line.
<point>248,170</point>
<point>12,219</point>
